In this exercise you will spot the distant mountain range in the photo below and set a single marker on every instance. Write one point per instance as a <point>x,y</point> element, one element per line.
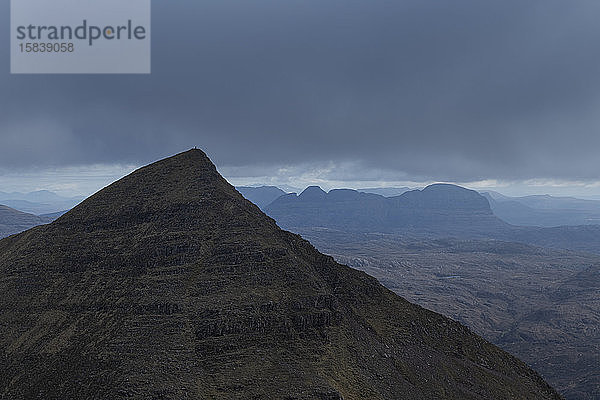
<point>439,210</point>
<point>21,211</point>
<point>545,211</point>
<point>39,202</point>
<point>536,210</point>
<point>13,221</point>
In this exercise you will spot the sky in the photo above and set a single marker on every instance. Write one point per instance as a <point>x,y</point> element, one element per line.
<point>498,94</point>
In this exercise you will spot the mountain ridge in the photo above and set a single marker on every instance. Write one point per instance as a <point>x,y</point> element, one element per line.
<point>440,207</point>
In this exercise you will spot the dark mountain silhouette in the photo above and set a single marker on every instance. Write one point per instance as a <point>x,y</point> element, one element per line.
<point>168,284</point>
<point>439,210</point>
<point>13,221</point>
<point>260,195</point>
<point>338,208</point>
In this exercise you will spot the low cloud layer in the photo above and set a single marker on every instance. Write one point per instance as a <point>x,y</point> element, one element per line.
<point>428,90</point>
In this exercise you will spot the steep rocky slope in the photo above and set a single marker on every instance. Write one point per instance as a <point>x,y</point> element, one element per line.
<point>169,285</point>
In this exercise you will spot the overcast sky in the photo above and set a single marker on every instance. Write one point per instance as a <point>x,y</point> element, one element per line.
<point>351,93</point>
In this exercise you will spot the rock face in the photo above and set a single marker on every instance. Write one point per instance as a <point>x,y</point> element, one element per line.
<point>169,285</point>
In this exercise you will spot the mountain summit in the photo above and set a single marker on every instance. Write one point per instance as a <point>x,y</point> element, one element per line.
<point>168,284</point>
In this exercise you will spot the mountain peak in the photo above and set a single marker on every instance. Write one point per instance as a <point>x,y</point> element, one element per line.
<point>313,192</point>
<point>166,189</point>
<point>169,284</point>
<point>447,196</point>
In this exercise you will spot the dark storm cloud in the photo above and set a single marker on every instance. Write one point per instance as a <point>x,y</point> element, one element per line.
<point>459,90</point>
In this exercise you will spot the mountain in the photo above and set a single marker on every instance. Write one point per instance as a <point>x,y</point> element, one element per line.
<point>39,202</point>
<point>547,202</point>
<point>386,191</point>
<point>439,210</point>
<point>444,209</point>
<point>338,208</point>
<point>260,195</point>
<point>40,196</point>
<point>544,211</point>
<point>13,221</point>
<point>169,284</point>
<point>539,304</point>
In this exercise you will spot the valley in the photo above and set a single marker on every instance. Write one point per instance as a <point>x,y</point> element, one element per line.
<point>541,305</point>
